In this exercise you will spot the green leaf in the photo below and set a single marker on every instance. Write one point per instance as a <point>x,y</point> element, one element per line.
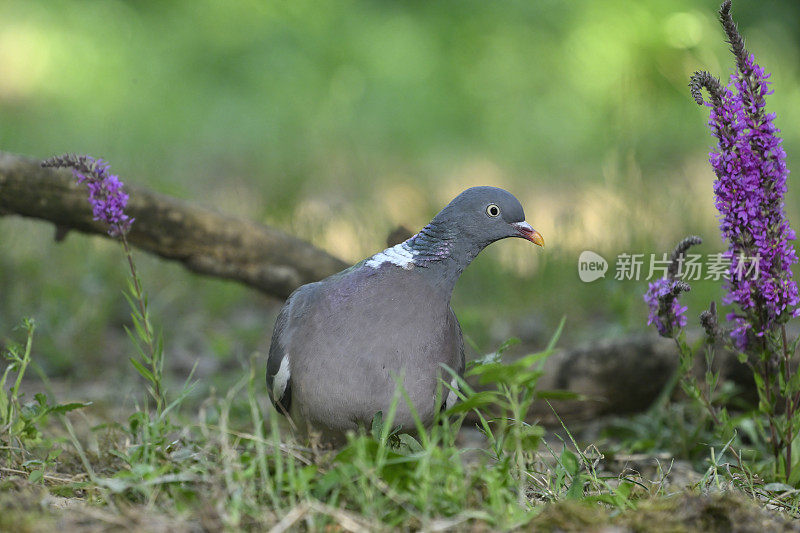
<point>556,335</point>
<point>624,489</point>
<point>36,476</point>
<point>54,453</point>
<point>531,436</point>
<point>488,368</point>
<point>3,407</point>
<point>67,407</point>
<point>498,373</point>
<point>608,499</point>
<point>476,401</point>
<point>377,425</point>
<point>558,395</point>
<point>142,370</point>
<point>531,359</point>
<point>139,327</point>
<point>412,443</point>
<point>159,347</point>
<point>570,462</point>
<point>793,346</point>
<point>461,385</point>
<point>513,341</point>
<point>487,359</point>
<point>575,491</point>
<point>794,478</point>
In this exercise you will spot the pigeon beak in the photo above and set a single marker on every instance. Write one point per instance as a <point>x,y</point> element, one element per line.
<point>527,232</point>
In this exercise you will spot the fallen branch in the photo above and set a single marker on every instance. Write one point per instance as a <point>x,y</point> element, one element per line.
<point>205,242</point>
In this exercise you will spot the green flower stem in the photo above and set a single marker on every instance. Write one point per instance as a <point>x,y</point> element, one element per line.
<point>154,359</point>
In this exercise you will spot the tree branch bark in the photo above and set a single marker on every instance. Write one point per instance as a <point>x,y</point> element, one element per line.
<point>204,241</point>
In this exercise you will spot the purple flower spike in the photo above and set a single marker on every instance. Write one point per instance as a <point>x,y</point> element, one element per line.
<point>106,196</point>
<point>751,182</point>
<point>666,311</point>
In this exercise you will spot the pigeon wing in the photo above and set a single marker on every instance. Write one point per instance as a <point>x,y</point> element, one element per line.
<point>450,397</point>
<point>279,379</point>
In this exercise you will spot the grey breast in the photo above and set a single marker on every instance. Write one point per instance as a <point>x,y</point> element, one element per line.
<point>357,335</point>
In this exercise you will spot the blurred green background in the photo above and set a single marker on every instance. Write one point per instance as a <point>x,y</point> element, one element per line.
<point>339,121</point>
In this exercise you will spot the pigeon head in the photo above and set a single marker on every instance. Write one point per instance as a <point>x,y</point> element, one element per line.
<point>473,220</point>
<point>447,245</point>
<point>480,216</point>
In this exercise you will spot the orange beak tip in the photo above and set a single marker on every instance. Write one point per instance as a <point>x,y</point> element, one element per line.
<point>525,231</point>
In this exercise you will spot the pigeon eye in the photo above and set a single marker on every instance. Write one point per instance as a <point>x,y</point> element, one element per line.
<point>492,210</point>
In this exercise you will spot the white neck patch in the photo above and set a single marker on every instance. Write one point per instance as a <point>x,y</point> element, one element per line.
<point>399,255</point>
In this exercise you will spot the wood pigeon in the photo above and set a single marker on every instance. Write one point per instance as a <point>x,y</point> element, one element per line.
<point>341,345</point>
